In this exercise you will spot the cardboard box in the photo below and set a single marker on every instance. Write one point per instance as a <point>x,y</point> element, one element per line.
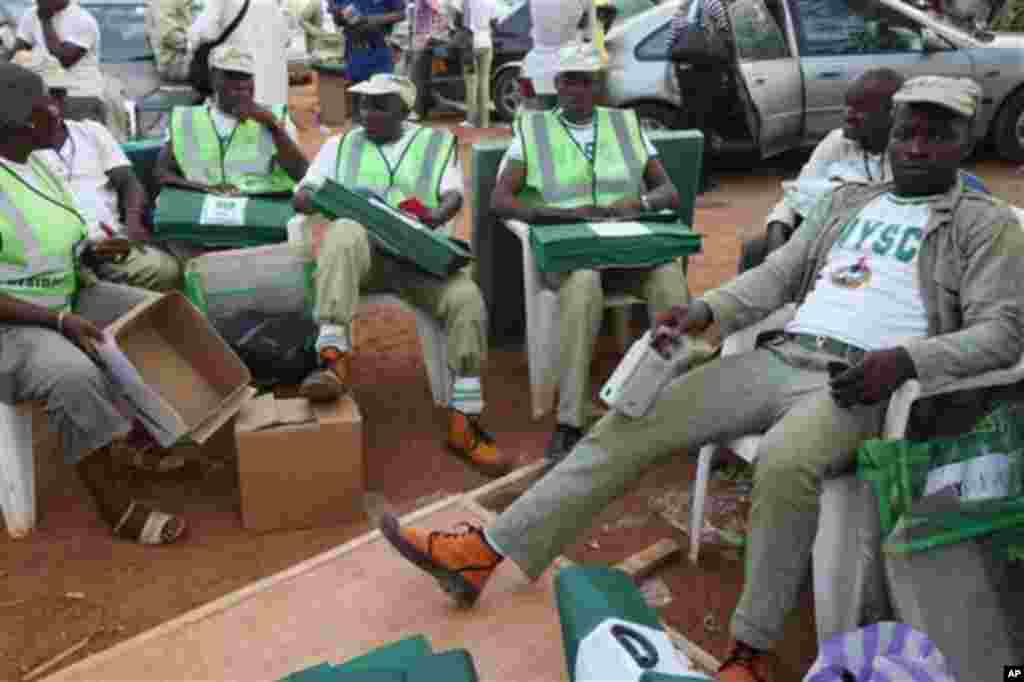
<point>336,102</point>
<point>300,464</point>
<point>175,370</point>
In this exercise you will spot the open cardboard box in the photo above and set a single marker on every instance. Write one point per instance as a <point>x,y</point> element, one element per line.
<point>300,465</point>
<point>192,382</point>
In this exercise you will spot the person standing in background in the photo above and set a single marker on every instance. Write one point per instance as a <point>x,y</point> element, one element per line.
<point>366,24</point>
<point>477,16</point>
<point>71,35</point>
<point>428,23</point>
<point>700,75</point>
<point>263,32</point>
<point>323,44</point>
<point>167,24</point>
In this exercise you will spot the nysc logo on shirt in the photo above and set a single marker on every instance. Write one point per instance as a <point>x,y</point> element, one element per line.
<point>899,241</point>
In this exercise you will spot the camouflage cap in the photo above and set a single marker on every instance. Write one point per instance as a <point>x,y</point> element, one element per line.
<point>960,95</point>
<point>386,84</point>
<point>232,58</point>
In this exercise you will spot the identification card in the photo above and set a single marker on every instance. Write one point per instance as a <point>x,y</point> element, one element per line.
<point>227,211</point>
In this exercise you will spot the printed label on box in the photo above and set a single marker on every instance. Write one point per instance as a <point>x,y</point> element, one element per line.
<point>227,211</point>
<point>981,478</point>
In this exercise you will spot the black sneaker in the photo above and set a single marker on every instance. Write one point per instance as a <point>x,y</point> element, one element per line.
<point>563,440</point>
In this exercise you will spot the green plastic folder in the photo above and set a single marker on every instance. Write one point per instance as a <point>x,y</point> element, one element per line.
<point>626,244</point>
<point>448,666</point>
<point>393,231</point>
<point>219,221</point>
<point>401,655</point>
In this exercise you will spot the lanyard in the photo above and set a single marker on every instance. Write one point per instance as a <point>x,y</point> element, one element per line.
<point>867,167</point>
<point>69,164</point>
<point>224,145</point>
<point>592,162</point>
<point>35,190</point>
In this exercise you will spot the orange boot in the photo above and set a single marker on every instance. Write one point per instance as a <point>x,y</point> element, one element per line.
<point>747,664</point>
<point>461,562</point>
<point>468,440</point>
<point>330,382</point>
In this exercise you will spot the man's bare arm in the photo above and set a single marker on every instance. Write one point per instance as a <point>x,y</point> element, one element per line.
<point>506,204</point>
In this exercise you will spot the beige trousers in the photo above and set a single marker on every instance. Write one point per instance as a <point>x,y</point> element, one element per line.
<point>348,266</point>
<point>151,268</point>
<point>581,308</point>
<point>478,87</point>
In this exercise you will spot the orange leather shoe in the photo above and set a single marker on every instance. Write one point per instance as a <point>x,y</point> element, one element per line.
<point>461,562</point>
<point>468,440</point>
<point>746,664</point>
<point>330,382</point>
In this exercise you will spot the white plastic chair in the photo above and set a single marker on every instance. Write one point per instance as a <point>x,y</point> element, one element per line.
<point>17,469</point>
<point>542,325</point>
<point>434,342</point>
<point>896,417</point>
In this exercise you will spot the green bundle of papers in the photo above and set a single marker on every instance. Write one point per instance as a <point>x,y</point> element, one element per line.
<point>393,231</point>
<point>219,221</point>
<point>578,246</point>
<point>408,660</point>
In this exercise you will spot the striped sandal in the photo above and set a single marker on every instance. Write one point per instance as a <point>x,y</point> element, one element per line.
<point>146,526</point>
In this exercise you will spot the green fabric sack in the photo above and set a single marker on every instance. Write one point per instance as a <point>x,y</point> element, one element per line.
<point>580,246</point>
<point>944,491</point>
<point>221,222</point>
<point>394,232</point>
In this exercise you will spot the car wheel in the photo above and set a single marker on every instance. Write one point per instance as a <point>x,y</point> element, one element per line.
<point>506,94</point>
<point>1009,132</point>
<point>657,116</point>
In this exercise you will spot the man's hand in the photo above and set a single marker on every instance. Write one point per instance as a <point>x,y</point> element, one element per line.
<point>113,250</point>
<point>874,379</point>
<point>302,202</point>
<point>680,320</point>
<point>626,208</point>
<point>250,111</point>
<point>433,218</point>
<point>585,213</point>
<point>82,333</point>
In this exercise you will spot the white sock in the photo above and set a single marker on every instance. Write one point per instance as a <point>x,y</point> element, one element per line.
<point>467,396</point>
<point>333,336</point>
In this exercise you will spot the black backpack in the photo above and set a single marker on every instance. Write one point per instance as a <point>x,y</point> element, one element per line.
<point>277,349</point>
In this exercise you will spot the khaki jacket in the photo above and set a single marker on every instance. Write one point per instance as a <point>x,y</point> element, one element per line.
<point>970,267</point>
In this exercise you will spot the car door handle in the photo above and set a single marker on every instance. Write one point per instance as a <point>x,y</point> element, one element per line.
<point>831,75</point>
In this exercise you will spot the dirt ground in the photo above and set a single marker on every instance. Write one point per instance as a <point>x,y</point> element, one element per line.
<point>69,579</point>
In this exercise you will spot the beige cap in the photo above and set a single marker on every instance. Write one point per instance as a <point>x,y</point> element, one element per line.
<point>960,95</point>
<point>387,84</point>
<point>232,58</point>
<point>579,57</point>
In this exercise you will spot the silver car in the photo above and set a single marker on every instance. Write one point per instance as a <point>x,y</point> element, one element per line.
<point>798,57</point>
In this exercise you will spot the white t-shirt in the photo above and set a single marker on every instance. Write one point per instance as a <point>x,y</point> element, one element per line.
<point>583,134</point>
<point>325,165</point>
<point>77,26</point>
<point>868,294</point>
<point>89,153</point>
<point>554,24</point>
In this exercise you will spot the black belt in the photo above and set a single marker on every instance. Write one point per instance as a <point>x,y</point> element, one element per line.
<point>818,344</point>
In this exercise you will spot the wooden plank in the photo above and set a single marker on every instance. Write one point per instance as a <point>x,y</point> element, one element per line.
<point>53,661</point>
<point>709,663</point>
<point>520,476</point>
<point>486,514</point>
<point>648,560</point>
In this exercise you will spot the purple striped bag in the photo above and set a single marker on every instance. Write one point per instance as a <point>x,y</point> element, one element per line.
<point>883,652</point>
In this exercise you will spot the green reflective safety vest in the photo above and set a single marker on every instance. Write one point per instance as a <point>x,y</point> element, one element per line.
<point>245,159</point>
<point>418,173</point>
<point>39,228</point>
<point>558,173</point>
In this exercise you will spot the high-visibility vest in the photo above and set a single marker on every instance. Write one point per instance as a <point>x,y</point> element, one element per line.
<point>39,228</point>
<point>418,173</point>
<point>245,159</point>
<point>558,173</point>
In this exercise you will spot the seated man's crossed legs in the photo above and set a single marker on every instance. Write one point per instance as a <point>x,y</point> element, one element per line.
<point>581,308</point>
<point>82,408</point>
<point>347,267</point>
<point>782,389</point>
<point>147,267</point>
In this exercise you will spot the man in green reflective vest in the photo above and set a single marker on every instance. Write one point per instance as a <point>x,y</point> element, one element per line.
<point>581,163</point>
<point>50,322</point>
<point>398,161</point>
<point>231,145</point>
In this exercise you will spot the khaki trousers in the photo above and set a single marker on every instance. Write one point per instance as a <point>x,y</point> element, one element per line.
<point>37,363</point>
<point>581,308</point>
<point>348,266</point>
<point>151,268</point>
<point>478,87</point>
<point>781,390</point>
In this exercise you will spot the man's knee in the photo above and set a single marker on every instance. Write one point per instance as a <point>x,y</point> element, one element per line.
<point>581,286</point>
<point>342,236</point>
<point>463,299</point>
<point>75,378</point>
<point>781,474</point>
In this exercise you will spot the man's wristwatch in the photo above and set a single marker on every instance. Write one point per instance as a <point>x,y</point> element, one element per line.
<point>646,203</point>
